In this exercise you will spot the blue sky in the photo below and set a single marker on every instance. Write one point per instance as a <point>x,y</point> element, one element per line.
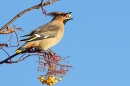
<point>97,41</point>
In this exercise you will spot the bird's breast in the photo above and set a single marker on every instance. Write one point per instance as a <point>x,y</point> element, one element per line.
<point>59,36</point>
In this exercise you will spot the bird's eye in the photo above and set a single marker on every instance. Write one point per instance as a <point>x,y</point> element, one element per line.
<point>68,16</point>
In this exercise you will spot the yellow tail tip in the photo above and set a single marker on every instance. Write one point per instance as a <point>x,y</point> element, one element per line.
<point>18,51</point>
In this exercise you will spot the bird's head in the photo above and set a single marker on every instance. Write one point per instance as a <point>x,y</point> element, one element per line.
<point>61,16</point>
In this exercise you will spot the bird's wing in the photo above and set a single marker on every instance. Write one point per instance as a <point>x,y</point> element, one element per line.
<point>43,32</point>
<point>42,28</point>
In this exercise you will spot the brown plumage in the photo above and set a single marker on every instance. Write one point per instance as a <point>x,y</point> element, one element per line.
<point>47,35</point>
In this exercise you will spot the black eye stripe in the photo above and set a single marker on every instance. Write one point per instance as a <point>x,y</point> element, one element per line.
<point>63,15</point>
<point>66,16</point>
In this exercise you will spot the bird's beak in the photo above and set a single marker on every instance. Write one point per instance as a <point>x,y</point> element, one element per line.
<point>71,19</point>
<point>69,15</point>
<point>69,12</point>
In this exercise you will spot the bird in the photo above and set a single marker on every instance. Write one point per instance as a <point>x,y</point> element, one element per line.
<point>47,35</point>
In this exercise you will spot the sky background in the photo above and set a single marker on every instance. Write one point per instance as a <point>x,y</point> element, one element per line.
<point>97,41</point>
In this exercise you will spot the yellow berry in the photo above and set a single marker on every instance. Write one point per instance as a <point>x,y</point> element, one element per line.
<point>39,77</point>
<point>44,81</point>
<point>51,68</point>
<point>53,77</point>
<point>52,81</point>
<point>59,79</point>
<point>50,84</point>
<point>56,81</point>
<point>48,81</point>
<point>41,80</point>
<point>49,78</point>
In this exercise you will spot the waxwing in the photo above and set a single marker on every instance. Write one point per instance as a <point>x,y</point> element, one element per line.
<point>48,35</point>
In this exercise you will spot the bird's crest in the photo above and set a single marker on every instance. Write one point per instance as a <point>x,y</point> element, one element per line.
<point>58,13</point>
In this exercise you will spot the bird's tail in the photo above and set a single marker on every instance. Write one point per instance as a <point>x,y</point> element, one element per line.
<point>25,46</point>
<point>20,49</point>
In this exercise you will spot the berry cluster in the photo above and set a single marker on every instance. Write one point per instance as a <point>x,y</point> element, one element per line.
<point>50,80</point>
<point>53,67</point>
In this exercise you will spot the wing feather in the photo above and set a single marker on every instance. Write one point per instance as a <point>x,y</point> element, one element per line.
<point>43,32</point>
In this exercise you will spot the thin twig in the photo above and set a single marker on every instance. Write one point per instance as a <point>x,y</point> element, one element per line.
<point>5,51</point>
<point>21,56</point>
<point>9,30</point>
<point>17,60</point>
<point>3,45</point>
<point>27,10</point>
<point>10,57</point>
<point>17,38</point>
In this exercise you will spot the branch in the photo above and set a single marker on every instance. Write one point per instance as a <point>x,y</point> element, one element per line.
<point>4,61</point>
<point>10,62</point>
<point>9,30</point>
<point>27,10</point>
<point>25,51</point>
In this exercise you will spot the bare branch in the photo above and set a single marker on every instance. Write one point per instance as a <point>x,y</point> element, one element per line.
<point>3,45</point>
<point>9,30</point>
<point>10,57</point>
<point>10,62</point>
<point>25,51</point>
<point>27,10</point>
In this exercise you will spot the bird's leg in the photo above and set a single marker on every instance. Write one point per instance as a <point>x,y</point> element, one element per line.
<point>38,50</point>
<point>50,53</point>
<point>53,56</point>
<point>29,49</point>
<point>49,50</point>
